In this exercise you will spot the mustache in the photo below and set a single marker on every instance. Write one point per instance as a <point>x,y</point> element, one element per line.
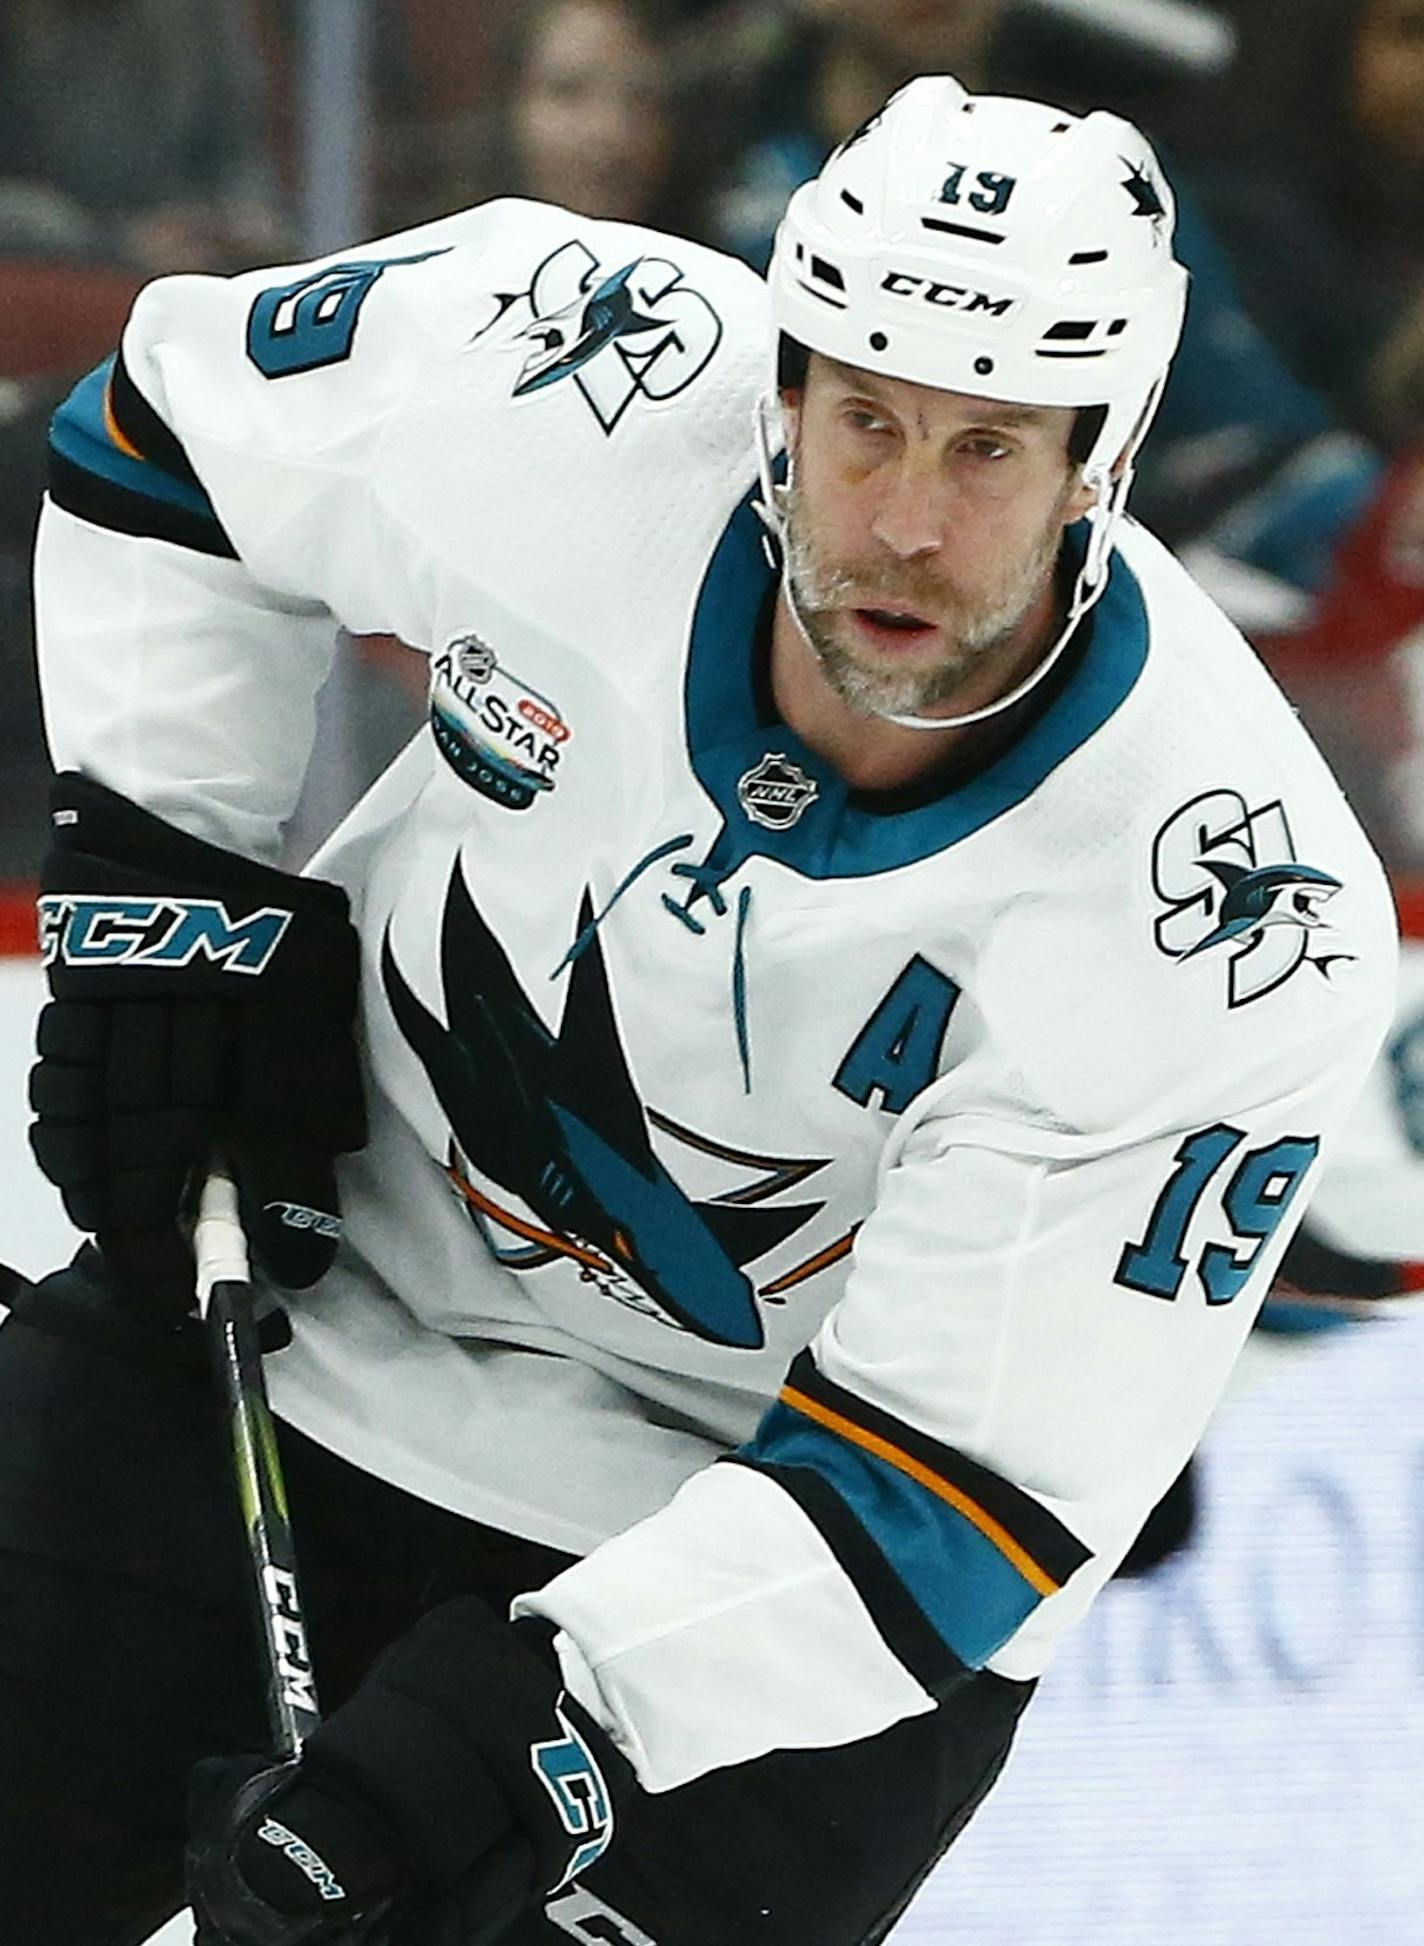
<point>871,585</point>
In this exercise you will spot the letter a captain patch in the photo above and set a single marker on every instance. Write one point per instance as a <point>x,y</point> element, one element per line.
<point>897,1051</point>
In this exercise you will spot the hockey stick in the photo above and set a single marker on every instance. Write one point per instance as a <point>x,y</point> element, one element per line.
<point>225,1299</point>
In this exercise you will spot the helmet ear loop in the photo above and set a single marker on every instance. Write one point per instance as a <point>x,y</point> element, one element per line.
<point>1110,492</point>
<point>769,433</point>
<point>1111,478</point>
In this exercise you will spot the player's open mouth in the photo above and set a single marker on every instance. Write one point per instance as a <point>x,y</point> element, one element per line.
<point>892,625</point>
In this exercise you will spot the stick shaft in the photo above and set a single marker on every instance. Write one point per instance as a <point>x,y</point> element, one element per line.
<point>226,1298</point>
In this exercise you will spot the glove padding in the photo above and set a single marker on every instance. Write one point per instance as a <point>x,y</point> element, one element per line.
<point>202,1004</point>
<point>456,1787</point>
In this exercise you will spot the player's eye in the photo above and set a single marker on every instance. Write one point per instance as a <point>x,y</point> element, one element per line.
<point>861,419</point>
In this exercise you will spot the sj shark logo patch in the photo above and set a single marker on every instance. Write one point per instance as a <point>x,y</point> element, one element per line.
<point>551,1146</point>
<point>1234,888</point>
<point>633,330</point>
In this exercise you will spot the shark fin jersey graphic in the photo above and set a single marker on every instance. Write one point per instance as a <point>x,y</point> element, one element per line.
<point>555,1119</point>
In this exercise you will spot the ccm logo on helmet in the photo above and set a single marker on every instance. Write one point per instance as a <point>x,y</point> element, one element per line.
<point>950,297</point>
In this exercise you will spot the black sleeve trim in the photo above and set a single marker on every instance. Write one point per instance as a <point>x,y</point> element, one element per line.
<point>142,428</point>
<point>107,503</point>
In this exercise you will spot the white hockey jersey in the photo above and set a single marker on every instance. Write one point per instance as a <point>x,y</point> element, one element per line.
<point>834,1221</point>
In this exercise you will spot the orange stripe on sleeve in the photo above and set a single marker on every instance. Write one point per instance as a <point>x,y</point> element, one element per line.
<point>1041,1583</point>
<point>113,429</point>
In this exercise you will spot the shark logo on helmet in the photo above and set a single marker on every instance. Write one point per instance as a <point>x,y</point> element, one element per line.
<point>1146,196</point>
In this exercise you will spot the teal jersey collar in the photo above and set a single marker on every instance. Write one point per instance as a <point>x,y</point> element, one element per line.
<point>822,832</point>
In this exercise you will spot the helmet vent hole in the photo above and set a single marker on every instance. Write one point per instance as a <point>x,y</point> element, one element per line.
<point>1117,327</point>
<point>983,366</point>
<point>827,273</point>
<point>1076,328</point>
<point>961,229</point>
<point>1060,128</point>
<point>1089,257</point>
<point>836,303</point>
<point>853,202</point>
<point>879,341</point>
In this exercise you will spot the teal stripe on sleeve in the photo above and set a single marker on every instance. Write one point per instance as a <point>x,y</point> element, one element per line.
<point>970,1591</point>
<point>79,435</point>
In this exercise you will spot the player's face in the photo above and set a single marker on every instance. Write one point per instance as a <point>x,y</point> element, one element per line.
<point>922,533</point>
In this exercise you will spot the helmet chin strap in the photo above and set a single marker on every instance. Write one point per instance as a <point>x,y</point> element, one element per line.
<point>1109,498</point>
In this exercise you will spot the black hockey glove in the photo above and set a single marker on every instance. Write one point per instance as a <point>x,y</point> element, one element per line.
<point>457,1786</point>
<point>202,1004</point>
<point>312,1866</point>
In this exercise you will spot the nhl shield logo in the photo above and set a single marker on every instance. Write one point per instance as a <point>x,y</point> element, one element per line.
<point>775,792</point>
<point>473,657</point>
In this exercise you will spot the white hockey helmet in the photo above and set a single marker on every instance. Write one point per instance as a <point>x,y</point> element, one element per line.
<point>1000,248</point>
<point>992,246</point>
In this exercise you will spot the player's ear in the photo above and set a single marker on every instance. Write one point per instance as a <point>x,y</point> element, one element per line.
<point>793,371</point>
<point>1084,492</point>
<point>792,397</point>
<point>1080,498</point>
<point>1085,426</point>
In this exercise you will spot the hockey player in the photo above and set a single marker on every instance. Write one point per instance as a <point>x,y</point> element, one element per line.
<point>851,995</point>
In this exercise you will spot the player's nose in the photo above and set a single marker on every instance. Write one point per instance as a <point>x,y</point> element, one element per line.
<point>909,515</point>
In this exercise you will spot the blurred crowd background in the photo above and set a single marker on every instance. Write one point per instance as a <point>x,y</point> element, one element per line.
<point>140,137</point>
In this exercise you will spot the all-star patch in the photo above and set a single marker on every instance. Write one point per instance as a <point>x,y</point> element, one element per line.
<point>497,733</point>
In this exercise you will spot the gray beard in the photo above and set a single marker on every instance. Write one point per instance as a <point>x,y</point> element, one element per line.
<point>975,636</point>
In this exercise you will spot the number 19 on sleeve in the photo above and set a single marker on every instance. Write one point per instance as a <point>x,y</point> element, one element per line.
<point>1256,1197</point>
